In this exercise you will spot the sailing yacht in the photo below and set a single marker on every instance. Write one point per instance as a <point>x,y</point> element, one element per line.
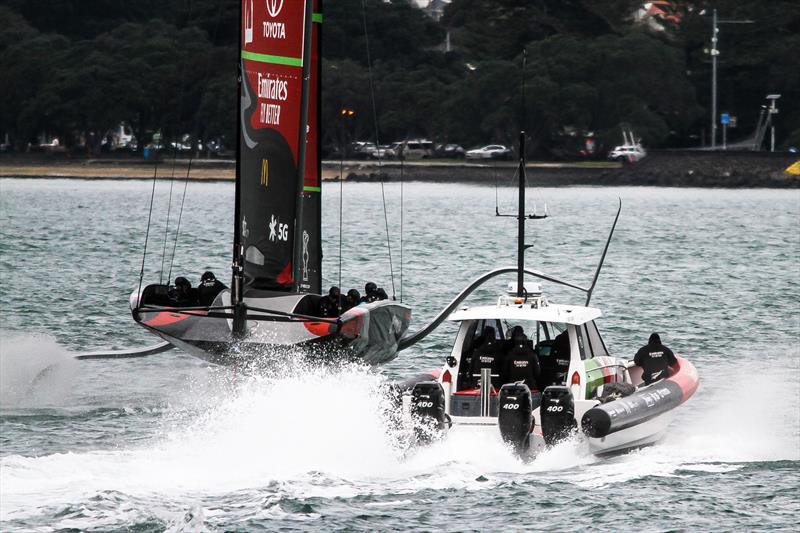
<point>272,305</point>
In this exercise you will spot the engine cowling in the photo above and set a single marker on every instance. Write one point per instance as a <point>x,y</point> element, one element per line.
<point>427,410</point>
<point>558,414</point>
<point>515,416</point>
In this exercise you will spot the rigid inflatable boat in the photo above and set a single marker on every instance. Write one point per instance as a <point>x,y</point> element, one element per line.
<point>582,391</point>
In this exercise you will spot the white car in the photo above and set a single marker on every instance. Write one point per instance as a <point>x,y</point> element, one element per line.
<point>383,151</point>
<point>629,153</point>
<point>490,151</point>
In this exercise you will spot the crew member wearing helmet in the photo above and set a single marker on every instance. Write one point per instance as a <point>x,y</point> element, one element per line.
<point>352,299</point>
<point>183,295</point>
<point>330,306</point>
<point>209,288</point>
<point>373,293</point>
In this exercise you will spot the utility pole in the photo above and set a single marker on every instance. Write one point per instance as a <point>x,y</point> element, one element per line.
<point>714,52</point>
<point>773,110</point>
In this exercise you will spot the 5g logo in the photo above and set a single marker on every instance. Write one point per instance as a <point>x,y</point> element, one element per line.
<point>278,231</point>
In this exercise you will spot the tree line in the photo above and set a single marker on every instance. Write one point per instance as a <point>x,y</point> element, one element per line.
<point>488,68</point>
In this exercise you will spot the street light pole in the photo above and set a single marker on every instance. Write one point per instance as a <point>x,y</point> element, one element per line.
<point>773,110</point>
<point>714,54</point>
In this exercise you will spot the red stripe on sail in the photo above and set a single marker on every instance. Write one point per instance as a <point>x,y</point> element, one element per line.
<point>285,275</point>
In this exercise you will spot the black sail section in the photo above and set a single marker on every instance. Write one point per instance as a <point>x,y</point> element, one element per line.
<point>309,266</point>
<point>270,110</point>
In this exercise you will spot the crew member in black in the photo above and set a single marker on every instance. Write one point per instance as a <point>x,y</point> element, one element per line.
<point>209,287</point>
<point>555,365</point>
<point>184,295</point>
<point>352,299</point>
<point>373,293</point>
<point>521,363</point>
<point>465,377</point>
<point>655,360</point>
<point>488,355</point>
<point>330,306</point>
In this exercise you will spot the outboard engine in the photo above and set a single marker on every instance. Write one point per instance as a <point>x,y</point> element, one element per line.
<point>558,414</point>
<point>427,410</point>
<point>515,416</point>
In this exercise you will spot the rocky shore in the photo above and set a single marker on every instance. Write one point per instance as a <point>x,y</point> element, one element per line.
<point>659,168</point>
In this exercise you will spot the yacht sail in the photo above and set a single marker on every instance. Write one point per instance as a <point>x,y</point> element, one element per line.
<point>272,142</point>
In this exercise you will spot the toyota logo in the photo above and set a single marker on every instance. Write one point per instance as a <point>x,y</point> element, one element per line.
<point>274,7</point>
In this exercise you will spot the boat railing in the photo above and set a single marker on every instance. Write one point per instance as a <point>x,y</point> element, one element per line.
<point>619,366</point>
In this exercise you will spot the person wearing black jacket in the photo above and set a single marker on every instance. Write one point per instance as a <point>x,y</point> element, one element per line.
<point>183,295</point>
<point>655,360</point>
<point>373,293</point>
<point>521,363</point>
<point>330,306</point>
<point>209,287</point>
<point>488,355</point>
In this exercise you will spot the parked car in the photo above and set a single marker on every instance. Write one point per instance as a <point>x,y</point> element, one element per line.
<point>453,151</point>
<point>361,149</point>
<point>490,151</point>
<point>384,151</point>
<point>416,149</point>
<point>630,151</point>
<point>631,154</point>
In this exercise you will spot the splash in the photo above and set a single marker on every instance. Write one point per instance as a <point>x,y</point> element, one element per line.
<point>35,371</point>
<point>305,432</point>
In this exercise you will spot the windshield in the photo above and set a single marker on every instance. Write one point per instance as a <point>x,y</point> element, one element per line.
<point>535,331</point>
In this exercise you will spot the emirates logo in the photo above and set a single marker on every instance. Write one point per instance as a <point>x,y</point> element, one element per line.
<point>274,7</point>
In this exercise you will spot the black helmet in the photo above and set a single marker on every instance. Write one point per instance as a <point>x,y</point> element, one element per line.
<point>334,291</point>
<point>655,339</point>
<point>370,287</point>
<point>208,276</point>
<point>353,295</point>
<point>182,282</point>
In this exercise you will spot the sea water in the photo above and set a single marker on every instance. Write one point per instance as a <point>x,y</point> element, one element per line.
<point>169,443</point>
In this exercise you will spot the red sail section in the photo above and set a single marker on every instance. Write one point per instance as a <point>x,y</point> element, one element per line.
<point>270,114</point>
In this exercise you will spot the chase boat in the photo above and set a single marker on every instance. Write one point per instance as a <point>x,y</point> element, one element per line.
<point>582,389</point>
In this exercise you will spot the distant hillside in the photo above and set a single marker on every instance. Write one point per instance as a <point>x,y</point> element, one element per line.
<point>74,69</point>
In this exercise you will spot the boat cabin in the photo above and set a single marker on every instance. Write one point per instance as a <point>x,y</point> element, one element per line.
<point>563,338</point>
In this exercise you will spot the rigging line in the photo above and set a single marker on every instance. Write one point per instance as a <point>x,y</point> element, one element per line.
<point>180,216</point>
<point>401,231</point>
<point>341,207</point>
<point>191,152</point>
<point>377,142</point>
<point>149,219</point>
<point>169,212</point>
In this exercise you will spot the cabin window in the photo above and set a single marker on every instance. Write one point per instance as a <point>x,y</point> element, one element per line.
<point>598,347</point>
<point>583,347</point>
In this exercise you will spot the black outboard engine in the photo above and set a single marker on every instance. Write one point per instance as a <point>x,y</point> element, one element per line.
<point>427,410</point>
<point>515,416</point>
<point>558,414</point>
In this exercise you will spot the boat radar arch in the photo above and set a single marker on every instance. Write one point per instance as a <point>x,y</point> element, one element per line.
<point>532,298</point>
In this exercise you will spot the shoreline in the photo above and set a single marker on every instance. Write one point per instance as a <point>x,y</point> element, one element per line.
<point>667,169</point>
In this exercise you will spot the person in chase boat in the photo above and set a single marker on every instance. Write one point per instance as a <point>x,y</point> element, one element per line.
<point>521,363</point>
<point>655,360</point>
